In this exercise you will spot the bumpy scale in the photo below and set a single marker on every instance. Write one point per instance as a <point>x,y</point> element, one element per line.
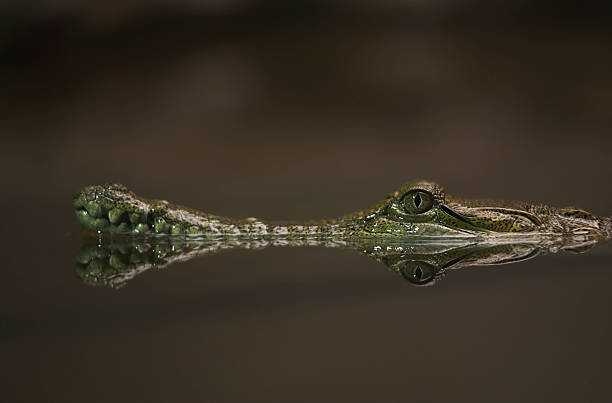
<point>416,209</point>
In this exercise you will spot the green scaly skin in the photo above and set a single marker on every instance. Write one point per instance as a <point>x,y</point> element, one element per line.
<point>114,262</point>
<point>419,209</point>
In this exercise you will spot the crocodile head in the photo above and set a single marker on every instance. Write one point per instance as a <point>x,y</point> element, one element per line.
<point>426,264</point>
<point>416,209</point>
<point>423,208</point>
<point>114,261</point>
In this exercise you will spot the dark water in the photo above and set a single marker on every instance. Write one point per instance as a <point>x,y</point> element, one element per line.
<point>284,114</point>
<point>329,323</point>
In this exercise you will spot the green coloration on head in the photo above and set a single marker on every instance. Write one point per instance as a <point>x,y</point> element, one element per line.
<point>176,229</point>
<point>419,209</point>
<point>423,209</point>
<point>115,215</point>
<point>112,262</point>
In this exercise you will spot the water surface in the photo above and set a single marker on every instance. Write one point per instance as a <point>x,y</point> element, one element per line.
<point>291,115</point>
<point>327,322</point>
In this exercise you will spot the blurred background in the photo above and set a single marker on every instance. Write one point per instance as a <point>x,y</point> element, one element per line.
<point>296,110</point>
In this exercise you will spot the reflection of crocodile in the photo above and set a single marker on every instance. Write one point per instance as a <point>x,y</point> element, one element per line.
<point>419,208</point>
<point>113,262</point>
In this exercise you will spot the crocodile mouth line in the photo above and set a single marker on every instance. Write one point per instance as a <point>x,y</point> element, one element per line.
<point>420,209</point>
<point>97,218</point>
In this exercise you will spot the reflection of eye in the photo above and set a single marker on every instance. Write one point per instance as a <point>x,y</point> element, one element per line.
<point>418,272</point>
<point>418,201</point>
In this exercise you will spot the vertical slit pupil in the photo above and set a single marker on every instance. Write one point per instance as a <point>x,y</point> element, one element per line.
<point>417,200</point>
<point>418,273</point>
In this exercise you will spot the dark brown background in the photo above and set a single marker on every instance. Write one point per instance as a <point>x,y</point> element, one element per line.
<point>292,111</point>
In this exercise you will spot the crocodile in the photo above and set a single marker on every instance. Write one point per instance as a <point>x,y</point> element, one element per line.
<point>419,209</point>
<point>422,262</point>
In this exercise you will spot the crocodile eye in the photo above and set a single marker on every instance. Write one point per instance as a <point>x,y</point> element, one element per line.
<point>418,272</point>
<point>418,201</point>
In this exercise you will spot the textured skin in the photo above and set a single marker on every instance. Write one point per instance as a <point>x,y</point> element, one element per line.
<point>114,262</point>
<point>419,209</point>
